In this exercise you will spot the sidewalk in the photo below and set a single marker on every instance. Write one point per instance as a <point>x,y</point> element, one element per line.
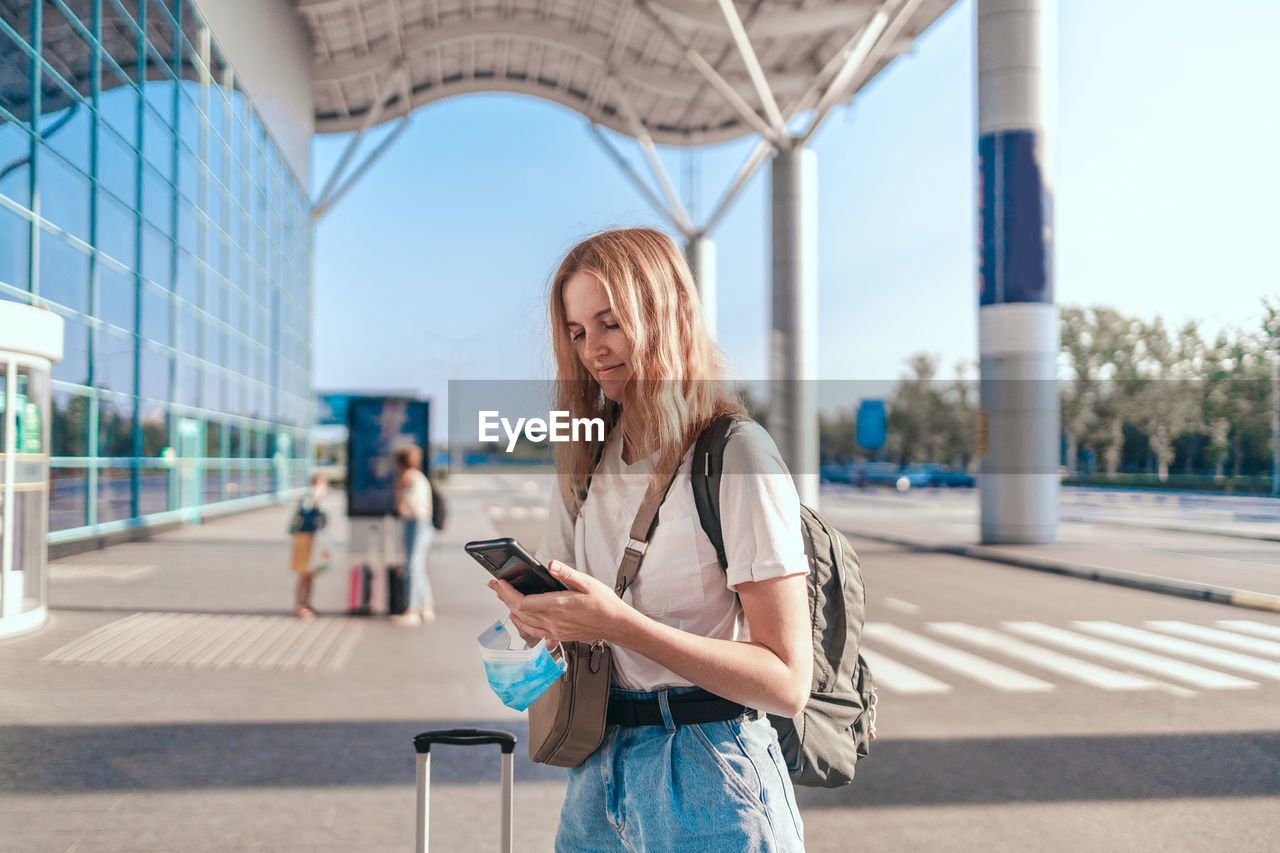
<point>213,720</point>
<point>200,734</point>
<point>1187,562</point>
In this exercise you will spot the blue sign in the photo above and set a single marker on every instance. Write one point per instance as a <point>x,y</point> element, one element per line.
<point>1015,208</point>
<point>376,428</point>
<point>872,424</point>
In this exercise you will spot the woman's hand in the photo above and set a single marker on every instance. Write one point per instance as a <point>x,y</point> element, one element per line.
<point>587,611</point>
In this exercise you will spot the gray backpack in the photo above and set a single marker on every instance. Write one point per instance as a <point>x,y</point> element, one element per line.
<point>835,729</point>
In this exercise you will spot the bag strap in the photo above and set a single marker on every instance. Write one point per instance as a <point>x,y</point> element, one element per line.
<point>708,466</point>
<point>641,529</point>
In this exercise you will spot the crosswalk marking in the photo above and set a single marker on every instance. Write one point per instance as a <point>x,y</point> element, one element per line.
<point>1248,626</point>
<point>972,666</point>
<point>1217,637</point>
<point>1183,648</point>
<point>1196,676</point>
<point>900,678</point>
<point>1089,673</point>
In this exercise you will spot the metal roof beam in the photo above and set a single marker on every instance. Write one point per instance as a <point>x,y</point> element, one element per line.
<point>639,183</point>
<point>753,67</point>
<point>325,205</point>
<point>772,22</point>
<point>752,62</point>
<point>638,130</point>
<point>370,119</point>
<point>879,32</point>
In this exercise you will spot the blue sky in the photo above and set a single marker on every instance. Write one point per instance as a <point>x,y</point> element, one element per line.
<point>436,264</point>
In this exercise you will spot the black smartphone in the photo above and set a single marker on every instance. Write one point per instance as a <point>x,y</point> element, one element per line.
<point>507,560</point>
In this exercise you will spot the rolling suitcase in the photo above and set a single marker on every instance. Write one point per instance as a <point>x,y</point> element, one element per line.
<point>465,737</point>
<point>360,591</point>
<point>397,590</point>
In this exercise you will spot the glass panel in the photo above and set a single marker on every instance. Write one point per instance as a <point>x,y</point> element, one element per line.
<point>188,227</point>
<point>117,166</point>
<point>157,141</point>
<point>188,279</point>
<point>157,200</point>
<point>118,101</point>
<point>64,196</point>
<point>64,123</point>
<point>70,427</point>
<point>64,273</point>
<point>157,253</point>
<point>15,63</point>
<point>187,384</point>
<point>212,388</point>
<point>188,174</point>
<point>120,34</point>
<point>15,237</point>
<point>155,315</point>
<point>113,365</point>
<point>65,47</point>
<point>4,396</point>
<point>212,440</point>
<point>155,429</point>
<point>31,412</point>
<point>115,494</point>
<point>117,231</point>
<point>74,366</point>
<point>67,490</point>
<point>115,426</point>
<point>154,491</point>
<point>161,31</point>
<point>154,374</point>
<point>15,156</point>
<point>117,297</point>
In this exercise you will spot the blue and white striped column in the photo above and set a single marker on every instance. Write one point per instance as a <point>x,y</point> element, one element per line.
<point>1018,431</point>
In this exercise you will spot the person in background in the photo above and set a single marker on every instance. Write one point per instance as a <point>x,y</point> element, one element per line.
<point>413,505</point>
<point>307,522</point>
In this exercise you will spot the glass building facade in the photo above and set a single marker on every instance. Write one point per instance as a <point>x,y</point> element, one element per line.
<point>142,199</point>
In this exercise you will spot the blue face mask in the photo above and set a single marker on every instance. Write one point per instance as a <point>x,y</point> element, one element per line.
<point>518,676</point>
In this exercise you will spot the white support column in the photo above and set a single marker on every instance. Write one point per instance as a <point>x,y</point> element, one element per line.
<point>1018,429</point>
<point>701,253</point>
<point>793,405</point>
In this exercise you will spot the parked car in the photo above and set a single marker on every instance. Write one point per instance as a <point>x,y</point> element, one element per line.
<point>879,474</point>
<point>913,477</point>
<point>944,476</point>
<point>834,472</point>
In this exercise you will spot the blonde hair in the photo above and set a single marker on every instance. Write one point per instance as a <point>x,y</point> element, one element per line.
<point>676,385</point>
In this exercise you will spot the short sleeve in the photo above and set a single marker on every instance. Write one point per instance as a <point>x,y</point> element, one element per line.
<point>557,537</point>
<point>759,510</point>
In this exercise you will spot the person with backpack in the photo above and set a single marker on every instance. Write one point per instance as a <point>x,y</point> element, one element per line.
<point>308,520</point>
<point>413,505</point>
<point>701,653</point>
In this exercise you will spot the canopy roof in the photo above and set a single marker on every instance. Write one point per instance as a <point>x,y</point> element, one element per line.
<point>613,61</point>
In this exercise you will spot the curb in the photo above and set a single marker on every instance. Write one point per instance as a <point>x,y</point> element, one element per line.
<point>1117,577</point>
<point>1175,528</point>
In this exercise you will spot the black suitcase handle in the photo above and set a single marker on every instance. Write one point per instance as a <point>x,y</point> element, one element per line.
<point>464,737</point>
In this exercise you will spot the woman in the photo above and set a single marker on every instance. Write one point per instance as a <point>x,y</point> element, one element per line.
<point>631,347</point>
<point>413,505</point>
<point>308,521</point>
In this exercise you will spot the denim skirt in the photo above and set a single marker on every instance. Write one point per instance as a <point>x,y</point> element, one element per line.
<point>704,787</point>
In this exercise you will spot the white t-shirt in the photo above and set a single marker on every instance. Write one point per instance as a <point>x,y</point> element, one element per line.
<point>417,494</point>
<point>680,582</point>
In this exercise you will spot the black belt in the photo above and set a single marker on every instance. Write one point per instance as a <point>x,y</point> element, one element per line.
<point>697,706</point>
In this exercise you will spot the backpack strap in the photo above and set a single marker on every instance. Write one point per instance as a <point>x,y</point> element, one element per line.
<point>708,465</point>
<point>641,530</point>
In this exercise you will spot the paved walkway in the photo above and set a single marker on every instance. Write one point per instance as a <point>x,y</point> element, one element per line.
<point>1189,562</point>
<point>172,703</point>
<point>203,716</point>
